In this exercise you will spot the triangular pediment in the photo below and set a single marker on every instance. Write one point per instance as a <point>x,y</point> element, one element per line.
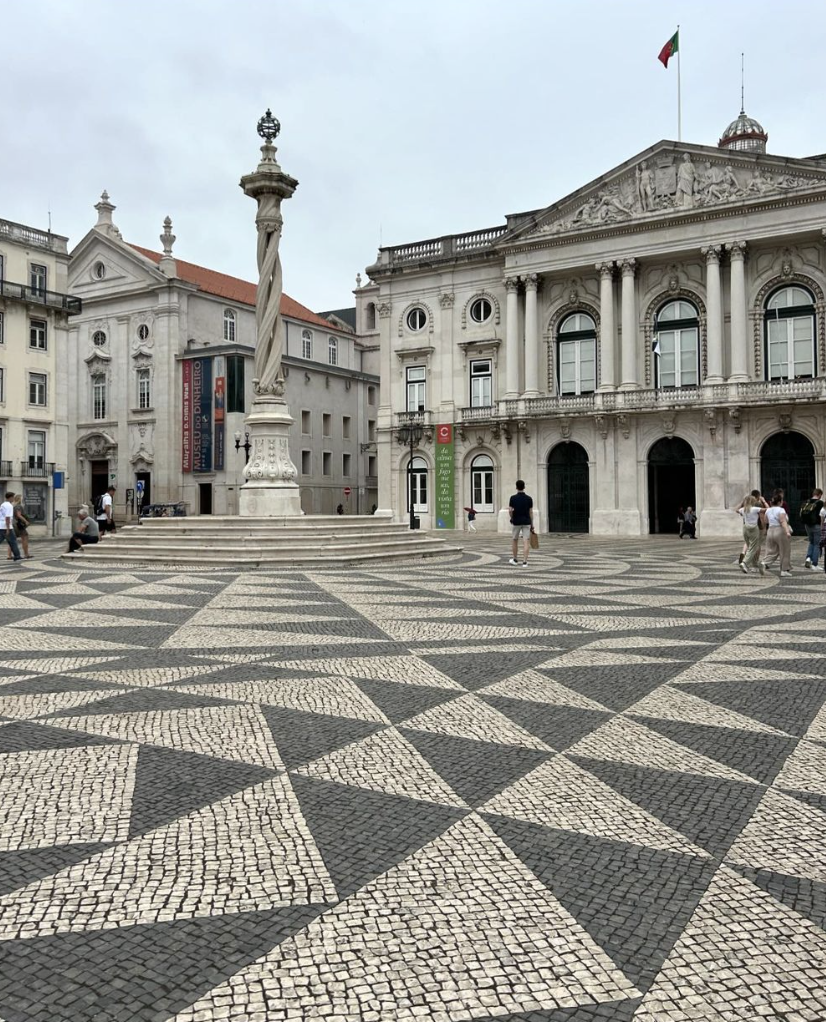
<point>673,180</point>
<point>124,269</point>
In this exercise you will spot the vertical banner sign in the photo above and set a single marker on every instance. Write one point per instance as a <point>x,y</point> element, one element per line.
<point>219,368</point>
<point>202,415</point>
<point>186,420</point>
<point>445,511</point>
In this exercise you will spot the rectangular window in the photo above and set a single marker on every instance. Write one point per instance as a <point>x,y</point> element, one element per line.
<point>332,350</point>
<point>345,465</point>
<point>345,426</point>
<point>306,423</point>
<point>371,429</point>
<point>577,366</point>
<point>37,449</point>
<point>791,347</point>
<point>38,276</point>
<point>371,465</point>
<point>2,385</point>
<point>481,383</point>
<point>415,389</point>
<point>144,392</point>
<point>2,325</point>
<point>418,485</point>
<point>37,388</point>
<point>326,424</point>
<point>99,397</point>
<point>677,364</point>
<point>306,463</point>
<point>326,463</point>
<point>235,384</point>
<point>371,395</point>
<point>37,334</point>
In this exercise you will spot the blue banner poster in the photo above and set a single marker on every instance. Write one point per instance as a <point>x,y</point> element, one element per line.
<point>202,415</point>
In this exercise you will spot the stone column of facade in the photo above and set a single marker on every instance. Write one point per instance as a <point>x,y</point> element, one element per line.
<point>270,489</point>
<point>739,334</point>
<point>531,337</point>
<point>607,330</point>
<point>629,326</point>
<point>512,338</point>
<point>715,314</point>
<point>384,437</point>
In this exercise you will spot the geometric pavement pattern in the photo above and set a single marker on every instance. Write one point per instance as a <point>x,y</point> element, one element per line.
<point>594,788</point>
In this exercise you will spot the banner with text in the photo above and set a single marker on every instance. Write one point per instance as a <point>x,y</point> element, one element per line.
<point>444,488</point>
<point>202,415</point>
<point>186,417</point>
<point>220,372</point>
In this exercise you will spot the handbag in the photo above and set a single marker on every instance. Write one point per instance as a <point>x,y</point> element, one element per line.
<point>534,540</point>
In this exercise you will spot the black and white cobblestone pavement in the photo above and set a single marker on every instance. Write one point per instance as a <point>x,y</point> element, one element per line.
<point>589,789</point>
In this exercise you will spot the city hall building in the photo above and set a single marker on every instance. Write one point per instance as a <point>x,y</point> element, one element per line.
<point>652,341</point>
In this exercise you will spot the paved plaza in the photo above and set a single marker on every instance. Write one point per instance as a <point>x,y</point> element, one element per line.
<point>589,789</point>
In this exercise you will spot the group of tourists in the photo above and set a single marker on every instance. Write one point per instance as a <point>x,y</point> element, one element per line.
<point>771,517</point>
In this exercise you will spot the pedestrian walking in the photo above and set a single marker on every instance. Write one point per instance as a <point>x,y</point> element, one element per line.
<point>520,510</point>
<point>778,538</point>
<point>21,527</point>
<point>751,508</point>
<point>680,521</point>
<point>689,524</point>
<point>471,518</point>
<point>812,513</point>
<point>7,525</point>
<point>104,512</point>
<point>761,501</point>
<point>87,531</point>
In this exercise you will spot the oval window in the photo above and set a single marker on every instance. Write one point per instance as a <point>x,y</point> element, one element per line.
<point>480,310</point>
<point>416,318</point>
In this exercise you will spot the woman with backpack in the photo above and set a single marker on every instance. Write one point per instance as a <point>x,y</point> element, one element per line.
<point>812,514</point>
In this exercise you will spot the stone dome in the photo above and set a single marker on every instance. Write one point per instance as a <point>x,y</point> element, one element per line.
<point>744,133</point>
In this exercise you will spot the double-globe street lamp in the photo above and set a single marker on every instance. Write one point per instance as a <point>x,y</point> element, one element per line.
<point>410,435</point>
<point>246,445</point>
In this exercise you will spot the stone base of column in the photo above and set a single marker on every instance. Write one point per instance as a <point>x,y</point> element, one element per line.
<point>270,490</point>
<point>530,394</point>
<point>720,524</point>
<point>616,522</point>
<point>633,385</point>
<point>713,380</point>
<point>738,378</point>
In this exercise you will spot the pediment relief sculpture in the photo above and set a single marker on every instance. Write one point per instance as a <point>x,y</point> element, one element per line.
<point>672,182</point>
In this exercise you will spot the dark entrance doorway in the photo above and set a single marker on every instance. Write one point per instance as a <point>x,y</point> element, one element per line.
<point>569,500</point>
<point>787,463</point>
<point>670,483</point>
<point>146,479</point>
<point>100,480</point>
<point>204,498</point>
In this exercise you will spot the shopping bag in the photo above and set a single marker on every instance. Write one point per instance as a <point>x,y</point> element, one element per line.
<point>534,540</point>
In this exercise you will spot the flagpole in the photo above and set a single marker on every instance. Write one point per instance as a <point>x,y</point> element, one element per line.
<point>679,92</point>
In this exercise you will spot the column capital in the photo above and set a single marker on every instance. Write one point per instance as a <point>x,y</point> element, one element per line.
<point>511,284</point>
<point>629,267</point>
<point>712,254</point>
<point>605,269</point>
<point>531,281</point>
<point>737,250</point>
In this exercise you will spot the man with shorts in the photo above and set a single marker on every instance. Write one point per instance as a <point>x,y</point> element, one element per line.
<point>520,509</point>
<point>106,522</point>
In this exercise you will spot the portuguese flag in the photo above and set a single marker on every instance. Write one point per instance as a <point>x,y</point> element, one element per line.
<point>670,48</point>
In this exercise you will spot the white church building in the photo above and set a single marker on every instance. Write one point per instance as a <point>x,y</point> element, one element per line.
<point>652,341</point>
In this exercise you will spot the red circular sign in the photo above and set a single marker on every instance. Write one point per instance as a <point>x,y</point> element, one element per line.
<point>347,491</point>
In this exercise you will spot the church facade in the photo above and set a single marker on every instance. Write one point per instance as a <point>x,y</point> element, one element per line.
<point>653,341</point>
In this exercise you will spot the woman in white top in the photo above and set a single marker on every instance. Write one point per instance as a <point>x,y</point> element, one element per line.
<point>751,509</point>
<point>778,538</point>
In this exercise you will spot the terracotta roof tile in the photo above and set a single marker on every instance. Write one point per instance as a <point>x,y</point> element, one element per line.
<point>233,288</point>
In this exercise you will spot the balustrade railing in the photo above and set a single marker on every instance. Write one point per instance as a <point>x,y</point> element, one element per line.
<point>421,418</point>
<point>30,236</point>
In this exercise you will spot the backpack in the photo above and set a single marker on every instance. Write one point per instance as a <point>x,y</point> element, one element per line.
<point>98,505</point>
<point>810,511</point>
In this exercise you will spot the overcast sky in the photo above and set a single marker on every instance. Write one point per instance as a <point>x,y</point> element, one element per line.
<point>401,120</point>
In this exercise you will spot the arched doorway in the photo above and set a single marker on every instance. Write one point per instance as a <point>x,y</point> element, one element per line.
<point>569,502</point>
<point>670,483</point>
<point>787,462</point>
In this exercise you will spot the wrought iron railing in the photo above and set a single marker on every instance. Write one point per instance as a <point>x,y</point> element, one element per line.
<point>36,469</point>
<point>5,470</point>
<point>40,296</point>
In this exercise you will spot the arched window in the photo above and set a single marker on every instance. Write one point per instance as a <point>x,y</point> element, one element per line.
<point>418,484</point>
<point>306,344</point>
<point>332,350</point>
<point>677,345</point>
<point>481,483</point>
<point>371,316</point>
<point>790,334</point>
<point>229,326</point>
<point>576,354</point>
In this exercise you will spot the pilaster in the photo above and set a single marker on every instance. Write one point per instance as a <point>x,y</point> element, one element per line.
<point>629,325</point>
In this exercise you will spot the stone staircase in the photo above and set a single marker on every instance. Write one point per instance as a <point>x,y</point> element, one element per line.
<point>312,541</point>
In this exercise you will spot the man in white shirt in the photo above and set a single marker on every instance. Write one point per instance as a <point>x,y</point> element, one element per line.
<point>7,525</point>
<point>104,516</point>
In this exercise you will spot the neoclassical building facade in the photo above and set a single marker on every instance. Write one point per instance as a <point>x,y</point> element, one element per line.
<point>652,341</point>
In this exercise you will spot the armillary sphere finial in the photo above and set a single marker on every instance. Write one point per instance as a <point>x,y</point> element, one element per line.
<point>268,126</point>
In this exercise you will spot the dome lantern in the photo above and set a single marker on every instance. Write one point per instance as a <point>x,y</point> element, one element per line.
<point>744,134</point>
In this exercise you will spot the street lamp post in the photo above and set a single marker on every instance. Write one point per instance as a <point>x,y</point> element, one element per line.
<point>246,445</point>
<point>410,435</point>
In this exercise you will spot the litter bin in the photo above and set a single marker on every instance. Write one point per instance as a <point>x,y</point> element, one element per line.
<point>415,522</point>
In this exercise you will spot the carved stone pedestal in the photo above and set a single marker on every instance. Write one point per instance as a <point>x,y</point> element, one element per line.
<point>270,489</point>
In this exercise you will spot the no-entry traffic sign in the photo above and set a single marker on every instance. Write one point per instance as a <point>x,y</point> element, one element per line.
<point>347,491</point>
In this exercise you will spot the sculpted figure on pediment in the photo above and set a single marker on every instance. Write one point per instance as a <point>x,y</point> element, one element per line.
<point>645,188</point>
<point>717,184</point>
<point>686,178</point>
